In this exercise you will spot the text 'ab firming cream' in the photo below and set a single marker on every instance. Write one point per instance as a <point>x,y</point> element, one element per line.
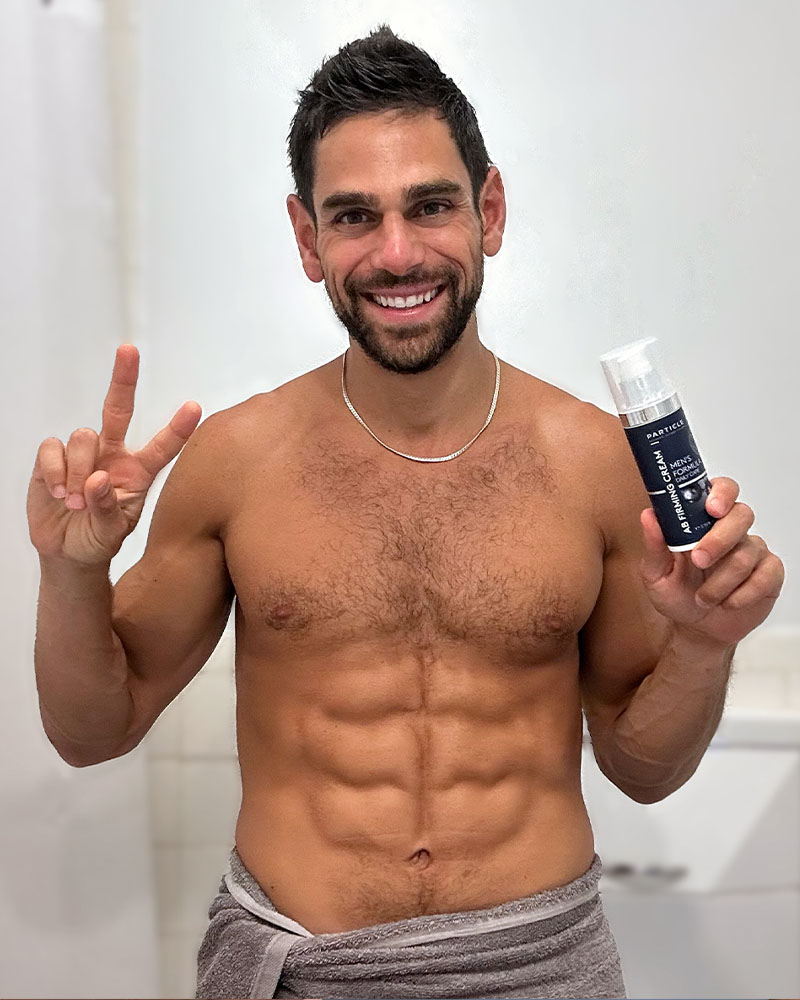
<point>661,442</point>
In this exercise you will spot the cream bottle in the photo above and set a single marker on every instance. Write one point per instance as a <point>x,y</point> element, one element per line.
<point>662,443</point>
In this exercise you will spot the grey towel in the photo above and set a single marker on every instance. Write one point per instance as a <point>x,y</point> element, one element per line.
<point>555,943</point>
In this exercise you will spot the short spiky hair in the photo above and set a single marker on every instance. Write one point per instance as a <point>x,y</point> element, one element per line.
<point>380,73</point>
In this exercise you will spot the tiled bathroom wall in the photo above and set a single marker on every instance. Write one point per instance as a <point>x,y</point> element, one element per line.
<point>195,791</point>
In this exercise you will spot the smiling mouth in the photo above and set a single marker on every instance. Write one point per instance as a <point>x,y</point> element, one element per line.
<point>402,303</point>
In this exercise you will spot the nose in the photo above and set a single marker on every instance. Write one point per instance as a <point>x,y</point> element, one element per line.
<point>398,247</point>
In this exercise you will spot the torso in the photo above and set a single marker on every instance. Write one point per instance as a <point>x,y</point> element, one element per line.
<point>408,707</point>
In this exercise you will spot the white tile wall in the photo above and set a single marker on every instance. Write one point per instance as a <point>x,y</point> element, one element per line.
<point>758,689</point>
<point>195,789</point>
<point>766,670</point>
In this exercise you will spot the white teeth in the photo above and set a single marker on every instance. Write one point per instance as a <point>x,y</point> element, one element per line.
<point>405,303</point>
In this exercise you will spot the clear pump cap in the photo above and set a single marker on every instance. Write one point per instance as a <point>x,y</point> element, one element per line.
<point>635,376</point>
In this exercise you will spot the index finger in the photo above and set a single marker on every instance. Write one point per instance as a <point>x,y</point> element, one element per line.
<point>118,405</point>
<point>722,496</point>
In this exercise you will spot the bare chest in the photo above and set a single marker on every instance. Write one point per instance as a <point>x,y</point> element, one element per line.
<point>493,552</point>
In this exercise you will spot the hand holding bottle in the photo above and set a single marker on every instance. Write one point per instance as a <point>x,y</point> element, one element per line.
<point>701,568</point>
<point>726,586</point>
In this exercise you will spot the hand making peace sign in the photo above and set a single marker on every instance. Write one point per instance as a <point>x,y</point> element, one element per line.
<point>85,498</point>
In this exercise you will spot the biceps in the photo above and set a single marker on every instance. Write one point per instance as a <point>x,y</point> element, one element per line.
<point>169,611</point>
<point>620,644</point>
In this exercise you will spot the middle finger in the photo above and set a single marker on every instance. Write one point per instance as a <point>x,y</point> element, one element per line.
<point>730,571</point>
<point>727,532</point>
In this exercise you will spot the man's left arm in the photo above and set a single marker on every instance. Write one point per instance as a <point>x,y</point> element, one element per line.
<point>656,652</point>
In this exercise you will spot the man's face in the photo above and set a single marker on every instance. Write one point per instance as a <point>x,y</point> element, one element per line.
<point>395,216</point>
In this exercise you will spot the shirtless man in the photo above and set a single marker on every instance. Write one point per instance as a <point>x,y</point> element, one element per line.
<point>415,640</point>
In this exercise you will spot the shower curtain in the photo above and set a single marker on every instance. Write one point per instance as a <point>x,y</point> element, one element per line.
<point>77,908</point>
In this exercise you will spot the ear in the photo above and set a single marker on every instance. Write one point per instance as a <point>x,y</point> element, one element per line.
<point>493,212</point>
<point>305,233</point>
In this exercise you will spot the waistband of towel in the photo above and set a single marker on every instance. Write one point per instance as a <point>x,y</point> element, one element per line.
<point>417,930</point>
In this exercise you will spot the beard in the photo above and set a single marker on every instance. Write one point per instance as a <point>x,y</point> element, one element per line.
<point>416,347</point>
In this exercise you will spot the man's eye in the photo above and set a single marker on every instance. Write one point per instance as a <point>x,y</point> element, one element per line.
<point>357,216</point>
<point>434,205</point>
<point>351,212</point>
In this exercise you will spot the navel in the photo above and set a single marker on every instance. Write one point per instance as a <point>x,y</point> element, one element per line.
<point>420,859</point>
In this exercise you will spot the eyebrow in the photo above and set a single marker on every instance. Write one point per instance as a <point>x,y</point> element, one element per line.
<point>345,199</point>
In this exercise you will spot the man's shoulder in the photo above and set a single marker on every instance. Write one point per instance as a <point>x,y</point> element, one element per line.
<point>589,446</point>
<point>563,414</point>
<point>280,411</point>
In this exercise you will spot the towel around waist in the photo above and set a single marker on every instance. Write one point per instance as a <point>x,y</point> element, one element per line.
<point>417,930</point>
<point>513,949</point>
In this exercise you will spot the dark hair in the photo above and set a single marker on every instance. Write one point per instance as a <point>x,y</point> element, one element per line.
<point>380,73</point>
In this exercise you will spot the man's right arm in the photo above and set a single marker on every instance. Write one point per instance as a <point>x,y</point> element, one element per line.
<point>81,666</point>
<point>108,660</point>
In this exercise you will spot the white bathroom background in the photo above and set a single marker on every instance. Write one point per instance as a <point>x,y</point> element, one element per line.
<point>650,157</point>
<point>77,908</point>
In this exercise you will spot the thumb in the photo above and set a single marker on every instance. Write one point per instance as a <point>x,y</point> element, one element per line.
<point>100,495</point>
<point>657,560</point>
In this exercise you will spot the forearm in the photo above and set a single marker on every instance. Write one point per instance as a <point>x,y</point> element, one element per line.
<point>80,663</point>
<point>661,737</point>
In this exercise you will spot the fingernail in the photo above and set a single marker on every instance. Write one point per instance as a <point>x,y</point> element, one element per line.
<point>701,559</point>
<point>59,492</point>
<point>714,505</point>
<point>75,501</point>
<point>701,603</point>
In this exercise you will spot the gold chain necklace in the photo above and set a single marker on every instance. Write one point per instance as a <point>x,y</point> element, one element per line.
<point>416,458</point>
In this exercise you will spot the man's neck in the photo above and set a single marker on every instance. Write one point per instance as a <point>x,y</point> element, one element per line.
<point>431,412</point>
